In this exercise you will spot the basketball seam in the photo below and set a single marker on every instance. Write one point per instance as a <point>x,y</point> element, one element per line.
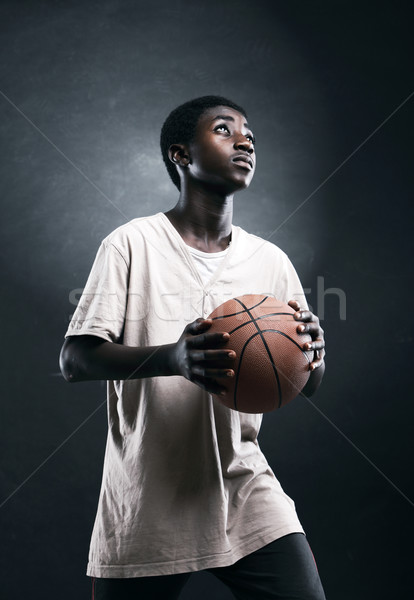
<point>254,319</point>
<point>271,358</point>
<point>241,311</point>
<point>288,338</point>
<point>267,350</point>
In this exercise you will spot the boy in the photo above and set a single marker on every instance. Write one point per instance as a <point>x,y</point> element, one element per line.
<point>185,486</point>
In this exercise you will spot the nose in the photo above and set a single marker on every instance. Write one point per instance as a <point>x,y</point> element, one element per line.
<point>242,143</point>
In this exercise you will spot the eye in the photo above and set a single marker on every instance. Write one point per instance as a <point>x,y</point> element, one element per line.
<point>251,137</point>
<point>222,127</point>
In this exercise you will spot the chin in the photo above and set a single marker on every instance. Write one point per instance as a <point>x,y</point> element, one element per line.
<point>245,183</point>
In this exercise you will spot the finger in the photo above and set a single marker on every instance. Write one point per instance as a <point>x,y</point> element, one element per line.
<point>313,328</point>
<point>315,364</point>
<point>304,315</point>
<point>209,340</point>
<point>199,325</point>
<point>318,344</point>
<point>210,386</point>
<point>294,304</point>
<point>212,356</point>
<point>207,373</point>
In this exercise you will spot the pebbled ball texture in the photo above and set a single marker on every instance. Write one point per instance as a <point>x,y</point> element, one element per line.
<point>270,366</point>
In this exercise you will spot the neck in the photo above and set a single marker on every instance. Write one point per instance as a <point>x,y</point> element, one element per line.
<point>203,221</point>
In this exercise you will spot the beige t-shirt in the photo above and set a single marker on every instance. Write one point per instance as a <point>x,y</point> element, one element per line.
<point>206,262</point>
<point>185,485</point>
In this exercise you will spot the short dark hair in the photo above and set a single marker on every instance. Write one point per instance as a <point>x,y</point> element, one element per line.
<point>180,126</point>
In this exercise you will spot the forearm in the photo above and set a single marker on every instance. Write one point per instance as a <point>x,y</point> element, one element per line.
<point>314,381</point>
<point>97,359</point>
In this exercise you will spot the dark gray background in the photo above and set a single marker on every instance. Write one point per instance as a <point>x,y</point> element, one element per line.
<point>85,87</point>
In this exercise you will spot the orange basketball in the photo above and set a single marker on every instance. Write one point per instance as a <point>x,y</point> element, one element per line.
<point>270,366</point>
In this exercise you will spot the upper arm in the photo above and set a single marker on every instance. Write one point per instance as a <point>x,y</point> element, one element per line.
<point>102,307</point>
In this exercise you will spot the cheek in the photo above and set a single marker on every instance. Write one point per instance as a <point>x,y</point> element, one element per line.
<point>211,158</point>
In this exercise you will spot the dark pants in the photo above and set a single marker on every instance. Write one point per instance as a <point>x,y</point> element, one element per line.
<point>282,570</point>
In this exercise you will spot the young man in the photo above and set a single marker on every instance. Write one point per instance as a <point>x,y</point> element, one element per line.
<point>185,485</point>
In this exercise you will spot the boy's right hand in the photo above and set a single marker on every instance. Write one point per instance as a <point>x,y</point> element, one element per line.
<point>197,356</point>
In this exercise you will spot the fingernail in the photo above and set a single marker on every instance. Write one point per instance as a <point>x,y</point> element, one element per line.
<point>226,336</point>
<point>231,354</point>
<point>301,328</point>
<point>309,346</point>
<point>230,373</point>
<point>222,393</point>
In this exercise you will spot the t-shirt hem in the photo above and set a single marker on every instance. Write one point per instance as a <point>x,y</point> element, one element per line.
<point>190,565</point>
<point>94,332</point>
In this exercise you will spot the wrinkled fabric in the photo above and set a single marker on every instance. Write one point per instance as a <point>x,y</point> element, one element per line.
<point>185,485</point>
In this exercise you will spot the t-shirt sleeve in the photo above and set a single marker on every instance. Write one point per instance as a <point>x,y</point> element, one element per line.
<point>102,306</point>
<point>294,289</point>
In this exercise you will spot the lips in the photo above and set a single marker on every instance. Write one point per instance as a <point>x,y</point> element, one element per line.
<point>244,160</point>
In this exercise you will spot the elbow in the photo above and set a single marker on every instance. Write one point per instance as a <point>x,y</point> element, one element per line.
<point>69,363</point>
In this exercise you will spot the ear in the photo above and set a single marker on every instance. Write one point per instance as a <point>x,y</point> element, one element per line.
<point>179,155</point>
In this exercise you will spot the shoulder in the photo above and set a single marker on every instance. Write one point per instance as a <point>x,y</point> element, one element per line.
<point>262,248</point>
<point>132,235</point>
<point>133,230</point>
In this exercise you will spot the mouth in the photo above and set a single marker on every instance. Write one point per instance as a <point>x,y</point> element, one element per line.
<point>243,161</point>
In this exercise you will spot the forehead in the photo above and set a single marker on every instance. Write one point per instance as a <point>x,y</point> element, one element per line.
<point>211,115</point>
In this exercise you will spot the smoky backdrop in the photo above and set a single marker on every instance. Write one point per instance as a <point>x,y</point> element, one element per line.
<point>84,89</point>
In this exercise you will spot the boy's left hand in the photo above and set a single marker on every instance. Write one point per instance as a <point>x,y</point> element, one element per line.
<point>310,324</point>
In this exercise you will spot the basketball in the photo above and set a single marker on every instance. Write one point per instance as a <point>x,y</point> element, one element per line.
<point>270,366</point>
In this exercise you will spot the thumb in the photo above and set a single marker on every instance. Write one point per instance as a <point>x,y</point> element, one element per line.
<point>199,325</point>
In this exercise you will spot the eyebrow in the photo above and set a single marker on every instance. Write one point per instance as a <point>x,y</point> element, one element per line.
<point>228,118</point>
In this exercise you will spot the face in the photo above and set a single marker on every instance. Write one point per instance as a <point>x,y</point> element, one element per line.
<point>222,154</point>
